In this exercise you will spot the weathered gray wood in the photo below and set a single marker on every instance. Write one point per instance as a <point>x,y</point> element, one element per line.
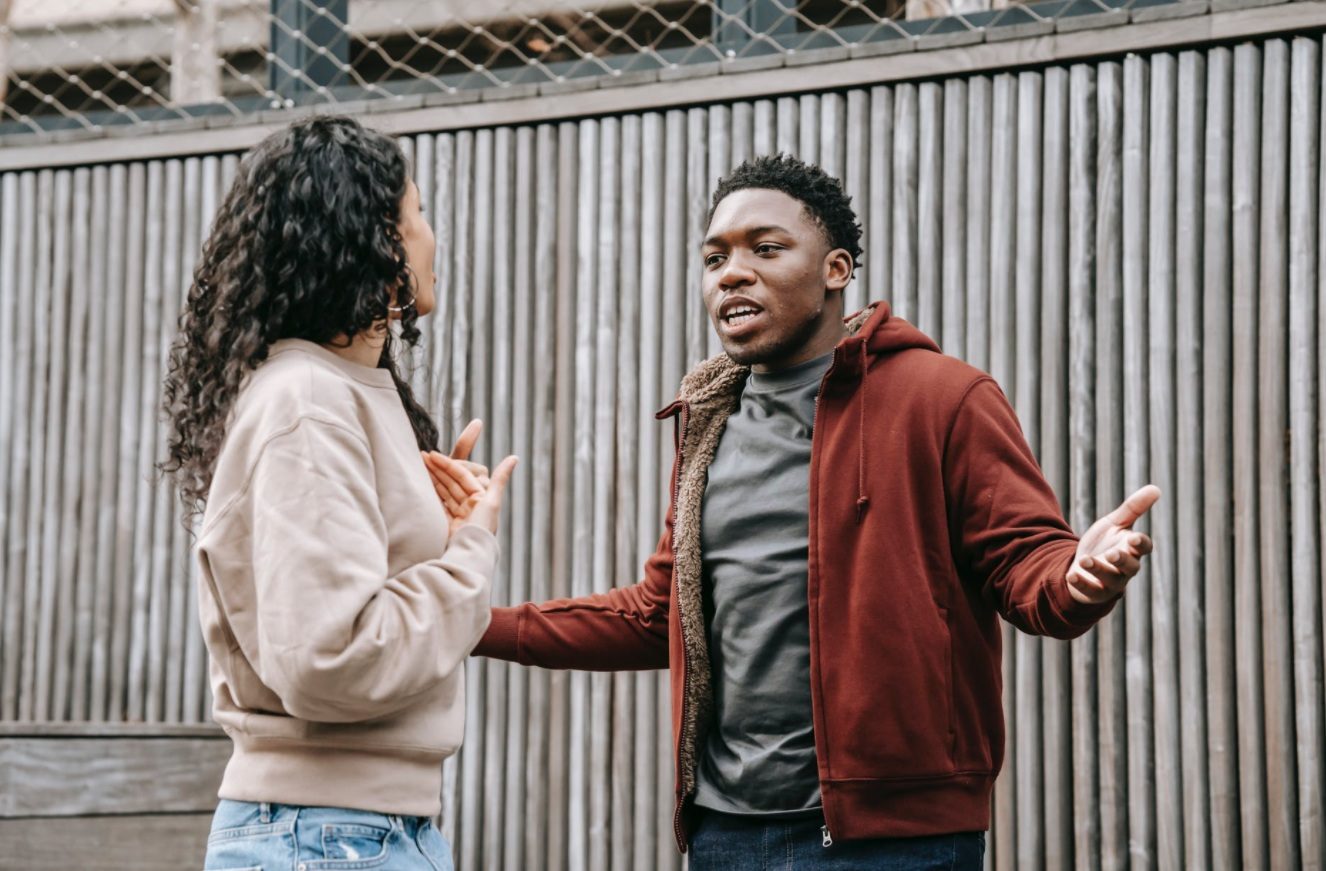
<point>856,182</point>
<point>158,842</point>
<point>476,370</point>
<point>808,127</point>
<point>1109,449</point>
<point>498,718</point>
<point>976,341</point>
<point>1273,468</point>
<point>833,138</point>
<point>879,226</point>
<point>787,137</point>
<point>1247,593</point>
<point>1185,511</point>
<point>764,129</point>
<point>1217,435</point>
<point>9,438</point>
<point>521,560</point>
<point>1304,221</point>
<point>33,569</point>
<point>743,132</point>
<point>1160,574</point>
<point>952,327</point>
<point>1079,504</point>
<point>1056,691</point>
<point>929,228</point>
<point>1135,395</point>
<point>627,777</point>
<point>903,252</point>
<point>69,776</point>
<point>1030,772</point>
<point>698,333</point>
<point>20,205</point>
<point>127,488</point>
<point>718,156</point>
<point>650,841</point>
<point>1003,206</point>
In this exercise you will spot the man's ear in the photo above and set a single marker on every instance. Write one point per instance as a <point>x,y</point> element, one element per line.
<point>838,269</point>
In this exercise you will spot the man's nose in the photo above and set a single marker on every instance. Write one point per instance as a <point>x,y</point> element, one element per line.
<point>735,272</point>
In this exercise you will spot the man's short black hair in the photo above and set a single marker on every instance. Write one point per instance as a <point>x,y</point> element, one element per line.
<point>819,192</point>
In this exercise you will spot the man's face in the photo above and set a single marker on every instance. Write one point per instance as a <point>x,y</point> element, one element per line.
<point>768,269</point>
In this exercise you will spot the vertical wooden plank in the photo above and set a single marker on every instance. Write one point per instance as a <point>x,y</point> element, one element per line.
<point>20,203</point>
<point>808,127</point>
<point>124,703</point>
<point>1185,511</point>
<point>904,249</point>
<point>1137,609</point>
<point>420,363</point>
<point>541,467</point>
<point>1109,450</point>
<point>954,224</point>
<point>764,128</point>
<point>1160,569</point>
<point>833,139</point>
<point>1217,437</point>
<point>442,212</point>
<point>49,569</point>
<point>603,494</point>
<point>856,178</point>
<point>1084,774</point>
<point>929,207</point>
<point>698,333</point>
<point>1026,400</point>
<point>525,366</point>
<point>477,372</point>
<point>718,157</point>
<point>10,422</point>
<point>1305,124</point>
<point>33,568</point>
<point>1056,722</point>
<point>626,775</point>
<point>879,229</point>
<point>976,341</point>
<point>1247,592</point>
<point>1272,465</point>
<point>1003,206</point>
<point>108,186</point>
<point>648,819</point>
<point>787,139</point>
<point>743,132</point>
<point>76,541</point>
<point>497,436</point>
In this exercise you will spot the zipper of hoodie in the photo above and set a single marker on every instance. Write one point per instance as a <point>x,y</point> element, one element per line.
<point>826,837</point>
<point>685,650</point>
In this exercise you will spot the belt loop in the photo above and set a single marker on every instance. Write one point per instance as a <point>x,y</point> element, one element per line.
<point>264,812</point>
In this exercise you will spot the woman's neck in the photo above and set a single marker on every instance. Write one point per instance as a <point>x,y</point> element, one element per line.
<point>365,348</point>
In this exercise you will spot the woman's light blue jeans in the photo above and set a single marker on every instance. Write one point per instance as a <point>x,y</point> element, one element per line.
<point>252,836</point>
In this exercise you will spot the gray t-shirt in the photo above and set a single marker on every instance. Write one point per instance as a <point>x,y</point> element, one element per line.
<point>759,757</point>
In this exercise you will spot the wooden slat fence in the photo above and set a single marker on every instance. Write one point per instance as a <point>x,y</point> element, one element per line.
<point>1133,247</point>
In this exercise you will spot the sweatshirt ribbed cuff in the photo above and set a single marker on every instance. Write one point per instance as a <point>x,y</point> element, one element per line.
<point>502,640</point>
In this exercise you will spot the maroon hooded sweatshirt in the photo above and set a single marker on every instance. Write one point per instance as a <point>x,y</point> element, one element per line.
<point>929,520</point>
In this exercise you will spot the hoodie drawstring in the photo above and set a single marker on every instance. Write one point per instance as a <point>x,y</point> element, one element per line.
<point>862,500</point>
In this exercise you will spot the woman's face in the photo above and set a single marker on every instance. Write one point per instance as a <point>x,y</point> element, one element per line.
<point>417,237</point>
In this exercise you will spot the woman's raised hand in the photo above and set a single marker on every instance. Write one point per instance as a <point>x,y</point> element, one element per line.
<point>467,491</point>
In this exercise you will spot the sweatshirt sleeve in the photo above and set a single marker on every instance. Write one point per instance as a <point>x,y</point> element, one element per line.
<point>1009,531</point>
<point>625,628</point>
<point>340,639</point>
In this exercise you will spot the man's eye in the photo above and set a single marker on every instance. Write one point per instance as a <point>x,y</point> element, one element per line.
<point>713,260</point>
<point>766,249</point>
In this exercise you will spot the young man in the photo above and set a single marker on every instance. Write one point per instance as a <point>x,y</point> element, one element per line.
<point>852,513</point>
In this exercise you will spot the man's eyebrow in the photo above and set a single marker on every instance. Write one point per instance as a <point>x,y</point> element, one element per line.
<point>753,231</point>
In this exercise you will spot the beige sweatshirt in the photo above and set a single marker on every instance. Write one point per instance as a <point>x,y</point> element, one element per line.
<point>337,611</point>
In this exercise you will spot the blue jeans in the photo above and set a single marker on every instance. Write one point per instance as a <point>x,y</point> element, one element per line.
<point>723,842</point>
<point>248,836</point>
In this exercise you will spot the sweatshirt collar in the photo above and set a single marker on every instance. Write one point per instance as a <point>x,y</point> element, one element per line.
<point>374,377</point>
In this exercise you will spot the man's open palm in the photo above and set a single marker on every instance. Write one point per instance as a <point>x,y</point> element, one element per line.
<point>1110,553</point>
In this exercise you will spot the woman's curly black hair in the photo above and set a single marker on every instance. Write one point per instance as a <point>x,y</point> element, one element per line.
<point>304,246</point>
<point>821,194</point>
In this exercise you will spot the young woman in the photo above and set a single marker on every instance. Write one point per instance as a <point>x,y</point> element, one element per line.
<point>338,599</point>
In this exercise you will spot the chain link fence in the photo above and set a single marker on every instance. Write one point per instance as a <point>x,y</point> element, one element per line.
<point>86,65</point>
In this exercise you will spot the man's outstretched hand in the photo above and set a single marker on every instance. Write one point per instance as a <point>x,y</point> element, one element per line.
<point>1110,553</point>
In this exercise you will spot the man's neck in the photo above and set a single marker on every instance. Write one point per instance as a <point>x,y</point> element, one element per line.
<point>823,342</point>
